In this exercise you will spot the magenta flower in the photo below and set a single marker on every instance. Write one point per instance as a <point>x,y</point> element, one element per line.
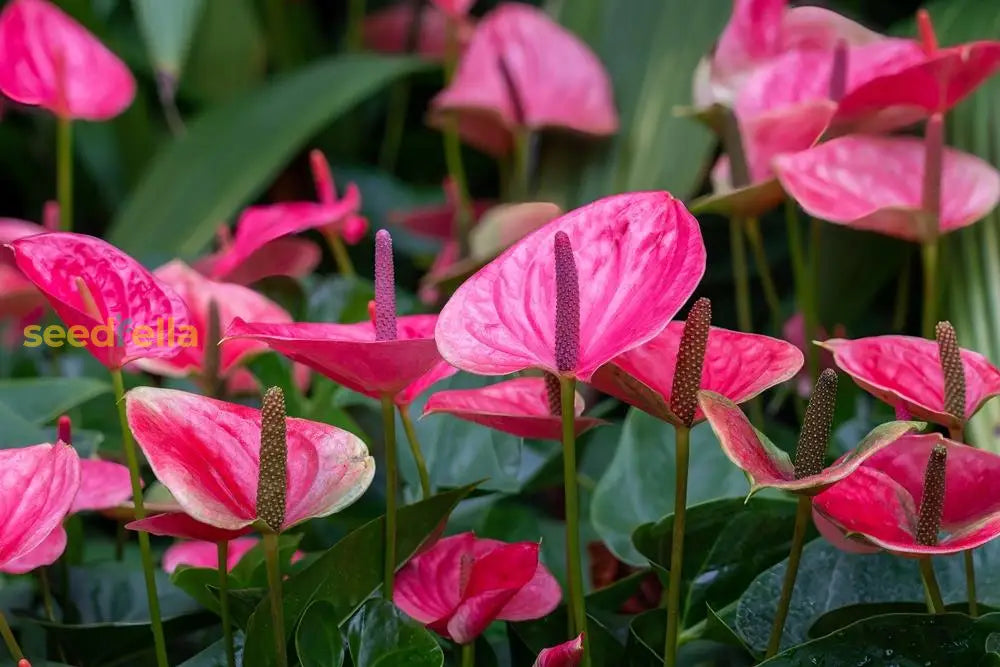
<point>906,372</point>
<point>207,453</point>
<point>437,221</point>
<point>99,292</point>
<point>737,365</point>
<point>260,225</point>
<point>388,30</point>
<point>567,654</point>
<point>639,257</point>
<point>289,256</point>
<point>522,71</point>
<point>195,553</point>
<point>882,504</point>
<point>49,60</point>
<point>462,584</point>
<point>37,487</point>
<point>766,466</point>
<point>231,301</point>
<point>175,523</point>
<point>875,183</point>
<point>523,407</point>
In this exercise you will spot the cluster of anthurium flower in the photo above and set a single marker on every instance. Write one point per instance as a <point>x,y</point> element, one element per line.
<point>588,296</point>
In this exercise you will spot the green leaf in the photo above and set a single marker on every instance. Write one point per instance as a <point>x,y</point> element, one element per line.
<point>830,579</point>
<point>17,431</point>
<point>359,554</point>
<point>533,636</point>
<point>638,487</point>
<point>195,581</point>
<point>380,635</point>
<point>167,29</point>
<point>318,642</point>
<point>726,544</point>
<point>901,640</point>
<point>214,655</point>
<point>228,154</point>
<point>654,148</point>
<point>647,635</point>
<point>838,619</point>
<point>228,52</point>
<point>40,400</point>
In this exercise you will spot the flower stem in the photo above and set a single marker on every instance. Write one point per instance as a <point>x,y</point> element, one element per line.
<point>8,639</point>
<point>683,441</point>
<point>355,24</point>
<point>469,654</point>
<point>931,587</point>
<point>344,264</point>
<point>395,123</point>
<point>453,154</point>
<point>929,254</point>
<point>804,291</point>
<point>802,516</point>
<point>764,268</point>
<point>574,569</point>
<point>43,585</point>
<point>274,588</point>
<point>64,172</point>
<point>227,626</point>
<point>741,276</point>
<point>520,183</point>
<point>140,513</point>
<point>901,309</point>
<point>389,423</point>
<point>970,582</point>
<point>418,456</point>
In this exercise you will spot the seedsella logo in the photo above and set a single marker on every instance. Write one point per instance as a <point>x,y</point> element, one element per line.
<point>162,333</point>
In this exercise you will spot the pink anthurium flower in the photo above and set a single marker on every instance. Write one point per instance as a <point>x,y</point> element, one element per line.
<point>175,523</point>
<point>351,355</point>
<point>462,584</point>
<point>37,487</point>
<point>906,372</point>
<point>437,221</point>
<point>231,301</point>
<point>878,505</point>
<point>522,407</point>
<point>639,257</point>
<point>295,257</point>
<point>567,654</point>
<point>767,466</point>
<point>737,365</point>
<point>104,296</point>
<point>760,31</point>
<point>523,71</point>
<point>207,452</point>
<point>389,30</point>
<point>18,297</point>
<point>875,183</point>
<point>195,553</point>
<point>49,60</point>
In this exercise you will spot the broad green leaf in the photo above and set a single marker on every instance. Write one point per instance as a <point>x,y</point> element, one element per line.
<point>360,554</point>
<point>195,581</point>
<point>726,544</point>
<point>902,640</point>
<point>318,642</point>
<point>830,579</point>
<point>228,154</point>
<point>380,635</point>
<point>837,619</point>
<point>40,400</point>
<point>654,149</point>
<point>638,487</point>
<point>17,431</point>
<point>167,29</point>
<point>228,53</point>
<point>647,635</point>
<point>214,655</point>
<point>528,638</point>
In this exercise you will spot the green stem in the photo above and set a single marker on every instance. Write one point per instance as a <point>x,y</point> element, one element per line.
<point>682,453</point>
<point>395,124</point>
<point>64,172</point>
<point>418,455</point>
<point>355,25</point>
<point>121,536</point>
<point>931,587</point>
<point>469,654</point>
<point>227,626</point>
<point>764,269</point>
<point>929,254</point>
<point>339,251</point>
<point>453,153</point>
<point>810,310</point>
<point>803,288</point>
<point>902,307</point>
<point>970,583</point>
<point>8,639</point>
<point>522,167</point>
<point>741,276</point>
<point>389,423</point>
<point>802,518</point>
<point>43,585</point>
<point>274,588</point>
<point>140,513</point>
<point>574,568</point>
